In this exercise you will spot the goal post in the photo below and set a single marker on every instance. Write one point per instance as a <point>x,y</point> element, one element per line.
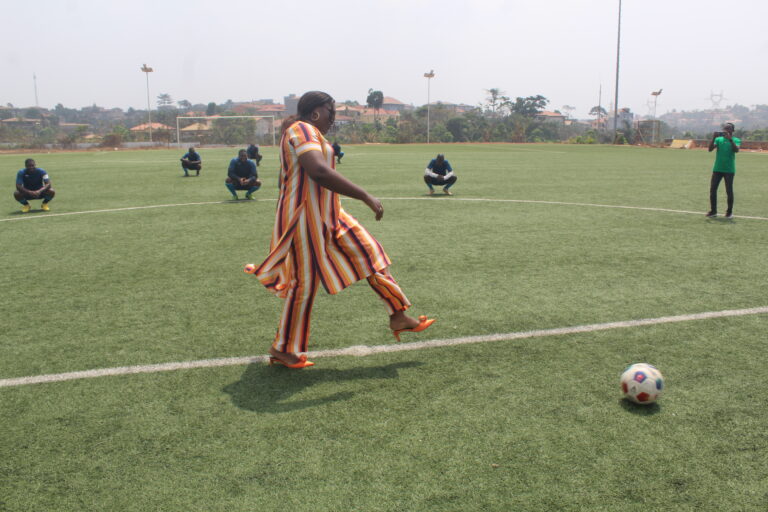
<point>227,130</point>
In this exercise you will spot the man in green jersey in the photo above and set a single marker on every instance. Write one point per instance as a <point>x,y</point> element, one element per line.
<point>725,167</point>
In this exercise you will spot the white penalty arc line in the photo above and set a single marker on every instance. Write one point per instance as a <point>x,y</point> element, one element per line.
<point>364,350</point>
<point>428,198</point>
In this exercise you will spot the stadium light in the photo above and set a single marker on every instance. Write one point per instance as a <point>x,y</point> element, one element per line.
<point>655,95</point>
<point>34,79</point>
<point>429,76</point>
<point>616,95</point>
<point>146,69</point>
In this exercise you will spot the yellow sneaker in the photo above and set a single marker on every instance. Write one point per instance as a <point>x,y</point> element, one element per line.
<point>45,207</point>
<point>25,208</point>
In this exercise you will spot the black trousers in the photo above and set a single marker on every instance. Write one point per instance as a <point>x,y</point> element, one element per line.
<point>714,184</point>
<point>440,181</point>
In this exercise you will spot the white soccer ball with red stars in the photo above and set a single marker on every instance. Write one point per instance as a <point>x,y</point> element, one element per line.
<point>642,383</point>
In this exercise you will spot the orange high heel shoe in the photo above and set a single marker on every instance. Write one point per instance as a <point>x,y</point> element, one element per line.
<point>302,363</point>
<point>424,322</point>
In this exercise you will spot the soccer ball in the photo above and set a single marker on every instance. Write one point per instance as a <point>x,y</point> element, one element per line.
<point>250,268</point>
<point>642,383</point>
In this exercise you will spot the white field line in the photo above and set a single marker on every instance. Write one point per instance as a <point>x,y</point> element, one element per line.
<point>112,210</point>
<point>364,350</point>
<point>563,203</point>
<point>470,199</point>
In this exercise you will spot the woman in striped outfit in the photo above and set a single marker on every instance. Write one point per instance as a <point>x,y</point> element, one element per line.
<point>315,241</point>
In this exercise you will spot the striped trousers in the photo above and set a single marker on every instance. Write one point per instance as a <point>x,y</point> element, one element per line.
<point>293,331</point>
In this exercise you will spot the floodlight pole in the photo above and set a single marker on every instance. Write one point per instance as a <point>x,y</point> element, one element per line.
<point>34,79</point>
<point>429,76</point>
<point>600,108</point>
<point>655,95</point>
<point>616,95</point>
<point>146,69</point>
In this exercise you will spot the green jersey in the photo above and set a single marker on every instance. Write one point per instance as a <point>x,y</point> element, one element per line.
<point>725,160</point>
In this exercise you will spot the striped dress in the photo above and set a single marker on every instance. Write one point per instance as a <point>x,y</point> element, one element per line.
<point>313,237</point>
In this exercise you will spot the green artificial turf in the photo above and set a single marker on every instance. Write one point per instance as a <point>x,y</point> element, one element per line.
<point>136,265</point>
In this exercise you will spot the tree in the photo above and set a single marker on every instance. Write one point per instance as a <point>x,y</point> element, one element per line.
<point>232,131</point>
<point>598,111</point>
<point>71,139</point>
<point>185,104</point>
<point>458,126</point>
<point>162,135</point>
<point>164,100</point>
<point>115,139</point>
<point>495,101</point>
<point>529,106</point>
<point>166,115</point>
<point>211,110</point>
<point>375,100</point>
<point>33,113</point>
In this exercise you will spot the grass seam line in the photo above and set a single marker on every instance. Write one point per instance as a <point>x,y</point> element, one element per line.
<point>364,350</point>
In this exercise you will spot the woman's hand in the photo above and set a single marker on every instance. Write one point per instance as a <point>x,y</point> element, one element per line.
<point>375,205</point>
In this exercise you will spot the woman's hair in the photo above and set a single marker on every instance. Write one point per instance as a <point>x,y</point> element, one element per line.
<point>308,102</point>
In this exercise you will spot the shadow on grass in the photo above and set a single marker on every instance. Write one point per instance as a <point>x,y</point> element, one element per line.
<point>33,212</point>
<point>239,200</point>
<point>269,389</point>
<point>640,410</point>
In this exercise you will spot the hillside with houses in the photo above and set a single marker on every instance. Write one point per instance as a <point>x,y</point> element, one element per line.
<point>389,120</point>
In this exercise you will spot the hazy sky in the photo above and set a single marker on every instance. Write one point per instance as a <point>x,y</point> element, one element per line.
<point>90,51</point>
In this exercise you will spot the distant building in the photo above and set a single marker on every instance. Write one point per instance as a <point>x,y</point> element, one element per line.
<point>73,127</point>
<point>22,122</point>
<point>458,108</point>
<point>391,103</point>
<point>155,127</point>
<point>553,117</point>
<point>6,112</point>
<point>274,109</point>
<point>195,131</point>
<point>291,104</point>
<point>196,128</point>
<point>259,109</point>
<point>363,114</point>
